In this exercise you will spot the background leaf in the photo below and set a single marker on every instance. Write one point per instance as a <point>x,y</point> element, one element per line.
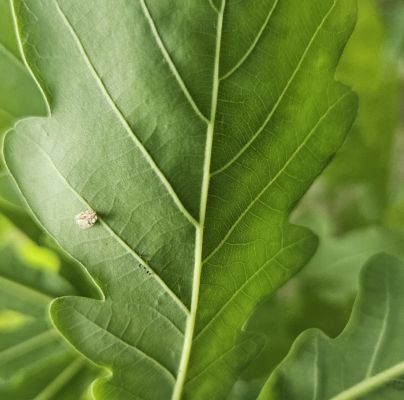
<point>35,362</point>
<point>320,296</point>
<point>365,361</point>
<point>19,94</point>
<point>19,97</point>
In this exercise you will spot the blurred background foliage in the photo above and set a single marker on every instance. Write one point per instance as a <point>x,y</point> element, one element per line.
<point>356,208</point>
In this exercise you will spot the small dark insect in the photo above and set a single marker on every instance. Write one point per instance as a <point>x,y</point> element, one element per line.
<point>145,269</point>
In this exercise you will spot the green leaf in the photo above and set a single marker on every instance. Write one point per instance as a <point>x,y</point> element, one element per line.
<point>394,19</point>
<point>192,133</point>
<point>366,361</point>
<point>35,362</point>
<point>19,97</point>
<point>334,270</point>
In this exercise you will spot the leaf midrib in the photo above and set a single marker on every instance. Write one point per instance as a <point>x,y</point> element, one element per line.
<point>275,178</point>
<point>190,326</point>
<point>370,384</point>
<point>243,286</point>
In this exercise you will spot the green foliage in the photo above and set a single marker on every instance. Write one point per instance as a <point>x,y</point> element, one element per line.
<point>394,20</point>
<point>35,362</point>
<point>365,361</point>
<point>192,136</point>
<point>19,97</point>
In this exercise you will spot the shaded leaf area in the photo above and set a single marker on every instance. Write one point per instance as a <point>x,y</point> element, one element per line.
<point>365,361</point>
<point>192,134</point>
<point>35,361</point>
<point>19,97</point>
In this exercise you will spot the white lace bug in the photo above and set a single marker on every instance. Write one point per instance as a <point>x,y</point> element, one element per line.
<point>86,219</point>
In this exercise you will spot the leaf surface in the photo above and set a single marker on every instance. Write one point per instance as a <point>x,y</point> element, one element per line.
<point>366,361</point>
<point>192,129</point>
